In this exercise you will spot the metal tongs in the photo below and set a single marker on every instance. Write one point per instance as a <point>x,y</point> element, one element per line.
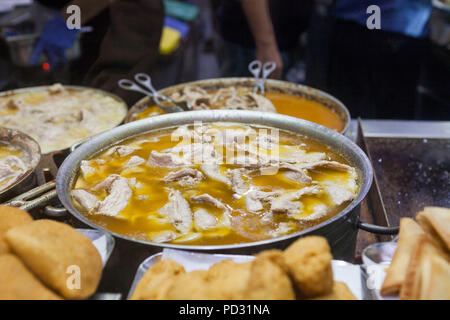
<point>261,72</point>
<point>144,85</point>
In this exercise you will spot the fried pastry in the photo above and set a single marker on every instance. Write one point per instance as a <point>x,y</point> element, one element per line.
<point>189,286</point>
<point>18,283</point>
<point>3,247</point>
<point>268,281</point>
<point>428,273</point>
<point>151,286</point>
<point>228,280</point>
<point>276,256</point>
<point>435,222</point>
<point>54,252</point>
<point>409,235</point>
<point>340,292</point>
<point>309,262</point>
<point>11,217</point>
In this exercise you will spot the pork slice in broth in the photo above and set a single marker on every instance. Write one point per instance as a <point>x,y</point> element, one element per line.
<point>85,199</point>
<point>178,211</point>
<point>185,177</point>
<point>119,193</point>
<point>168,160</point>
<point>286,203</point>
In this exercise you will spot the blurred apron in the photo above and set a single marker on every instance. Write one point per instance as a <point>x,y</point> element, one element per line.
<point>130,46</point>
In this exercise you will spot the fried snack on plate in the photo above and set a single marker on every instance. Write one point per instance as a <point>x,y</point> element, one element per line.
<point>3,247</point>
<point>48,248</point>
<point>12,217</point>
<point>435,222</point>
<point>18,283</point>
<point>340,292</point>
<point>268,281</point>
<point>276,256</point>
<point>228,280</point>
<point>155,280</point>
<point>428,274</point>
<point>309,262</point>
<point>190,286</point>
<point>409,235</point>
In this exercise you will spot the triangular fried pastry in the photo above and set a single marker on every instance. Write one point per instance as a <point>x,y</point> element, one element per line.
<point>428,274</point>
<point>435,222</point>
<point>409,235</point>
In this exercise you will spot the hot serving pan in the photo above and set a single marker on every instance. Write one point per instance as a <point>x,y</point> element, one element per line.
<point>340,230</point>
<point>33,154</point>
<point>50,161</point>
<point>270,86</point>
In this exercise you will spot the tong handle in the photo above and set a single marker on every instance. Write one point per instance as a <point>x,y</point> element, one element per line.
<point>261,72</point>
<point>25,201</point>
<point>146,82</point>
<point>130,85</point>
<point>255,68</point>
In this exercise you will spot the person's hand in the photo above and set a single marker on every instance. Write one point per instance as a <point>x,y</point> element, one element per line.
<point>54,39</point>
<point>266,53</point>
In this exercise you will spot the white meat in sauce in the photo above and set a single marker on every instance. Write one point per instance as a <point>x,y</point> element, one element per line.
<point>85,199</point>
<point>185,177</point>
<point>119,193</point>
<point>287,204</point>
<point>178,211</point>
<point>204,220</point>
<point>168,160</point>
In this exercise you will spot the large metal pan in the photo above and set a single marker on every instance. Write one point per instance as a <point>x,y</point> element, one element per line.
<point>33,156</point>
<point>49,162</point>
<point>271,86</point>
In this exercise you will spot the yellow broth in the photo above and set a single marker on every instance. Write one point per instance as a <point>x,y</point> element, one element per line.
<point>286,104</point>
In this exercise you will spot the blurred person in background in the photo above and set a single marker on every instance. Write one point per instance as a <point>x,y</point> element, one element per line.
<point>267,30</point>
<point>374,72</point>
<point>125,40</point>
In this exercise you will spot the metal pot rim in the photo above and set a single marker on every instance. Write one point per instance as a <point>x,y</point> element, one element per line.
<point>69,168</point>
<point>236,80</point>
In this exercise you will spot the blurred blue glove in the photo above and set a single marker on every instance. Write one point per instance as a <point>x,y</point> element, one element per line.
<point>54,39</point>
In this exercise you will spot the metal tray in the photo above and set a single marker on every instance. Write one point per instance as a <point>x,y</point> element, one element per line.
<point>343,271</point>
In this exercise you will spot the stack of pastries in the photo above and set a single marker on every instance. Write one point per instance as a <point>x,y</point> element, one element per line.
<point>420,269</point>
<point>42,259</point>
<point>302,271</point>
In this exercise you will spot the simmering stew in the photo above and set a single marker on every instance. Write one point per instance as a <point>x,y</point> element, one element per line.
<point>213,184</point>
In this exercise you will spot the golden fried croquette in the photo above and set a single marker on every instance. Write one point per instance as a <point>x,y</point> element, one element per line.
<point>340,292</point>
<point>3,247</point>
<point>309,262</point>
<point>53,251</point>
<point>189,286</point>
<point>152,284</point>
<point>276,256</point>
<point>11,217</point>
<point>268,281</point>
<point>228,280</point>
<point>18,283</point>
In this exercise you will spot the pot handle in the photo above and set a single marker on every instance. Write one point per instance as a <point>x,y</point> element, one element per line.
<point>373,228</point>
